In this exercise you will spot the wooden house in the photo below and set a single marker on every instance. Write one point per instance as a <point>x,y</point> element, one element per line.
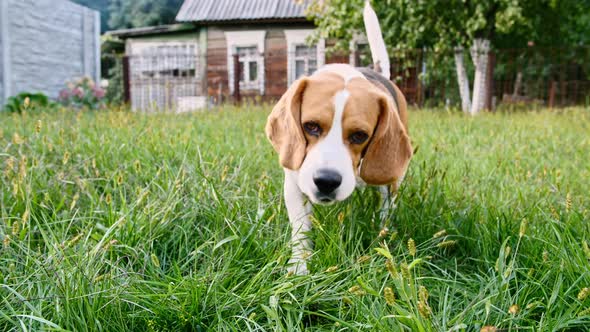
<point>218,46</point>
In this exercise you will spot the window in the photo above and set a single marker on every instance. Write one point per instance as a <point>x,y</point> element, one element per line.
<point>249,45</point>
<point>363,57</point>
<point>249,58</point>
<point>305,60</point>
<point>360,53</point>
<point>253,71</point>
<point>302,59</point>
<point>164,75</point>
<point>164,59</point>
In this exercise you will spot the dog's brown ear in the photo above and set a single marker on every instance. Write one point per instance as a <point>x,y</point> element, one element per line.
<point>283,126</point>
<point>389,152</point>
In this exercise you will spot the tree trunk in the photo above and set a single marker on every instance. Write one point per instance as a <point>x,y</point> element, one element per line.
<point>517,85</point>
<point>463,80</point>
<point>479,55</point>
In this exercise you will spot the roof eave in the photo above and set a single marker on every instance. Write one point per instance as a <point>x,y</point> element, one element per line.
<point>148,31</point>
<point>254,21</point>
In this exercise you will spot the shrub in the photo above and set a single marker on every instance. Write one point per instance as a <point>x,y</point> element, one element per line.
<point>83,93</point>
<point>27,100</point>
<point>115,88</point>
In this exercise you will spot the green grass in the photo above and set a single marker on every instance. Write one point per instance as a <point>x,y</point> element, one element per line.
<point>117,221</point>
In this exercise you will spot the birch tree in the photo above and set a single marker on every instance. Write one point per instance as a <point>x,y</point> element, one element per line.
<point>462,80</point>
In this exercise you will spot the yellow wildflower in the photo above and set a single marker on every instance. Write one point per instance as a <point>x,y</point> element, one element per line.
<point>389,295</point>
<point>514,309</point>
<point>412,247</point>
<point>583,294</point>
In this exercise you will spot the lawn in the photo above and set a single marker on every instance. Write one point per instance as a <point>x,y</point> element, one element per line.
<point>116,221</point>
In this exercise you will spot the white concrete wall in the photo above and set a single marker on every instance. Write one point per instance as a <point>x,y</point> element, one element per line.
<point>44,43</point>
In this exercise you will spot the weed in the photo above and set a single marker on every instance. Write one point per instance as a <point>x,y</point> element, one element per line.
<point>118,221</point>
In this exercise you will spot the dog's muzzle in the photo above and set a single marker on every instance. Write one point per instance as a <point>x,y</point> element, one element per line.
<point>327,181</point>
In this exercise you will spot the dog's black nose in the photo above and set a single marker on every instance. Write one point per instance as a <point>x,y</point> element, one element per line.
<point>327,180</point>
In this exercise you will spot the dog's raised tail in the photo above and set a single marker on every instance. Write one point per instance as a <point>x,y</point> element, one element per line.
<point>376,42</point>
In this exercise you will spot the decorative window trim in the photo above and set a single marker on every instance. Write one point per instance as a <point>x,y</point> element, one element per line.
<point>296,37</point>
<point>148,47</point>
<point>250,38</point>
<point>246,60</point>
<point>173,55</point>
<point>357,39</point>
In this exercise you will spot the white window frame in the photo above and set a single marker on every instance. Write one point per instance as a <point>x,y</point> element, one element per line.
<point>148,49</point>
<point>298,37</point>
<point>245,61</point>
<point>249,38</point>
<point>357,39</point>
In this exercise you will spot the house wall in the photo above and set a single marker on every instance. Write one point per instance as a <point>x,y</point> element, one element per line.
<point>275,61</point>
<point>153,87</point>
<point>133,46</point>
<point>46,43</point>
<point>276,64</point>
<point>191,36</point>
<point>336,57</point>
<point>217,80</point>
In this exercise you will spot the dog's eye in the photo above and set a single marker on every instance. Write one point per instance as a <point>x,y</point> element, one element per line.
<point>312,128</point>
<point>358,137</point>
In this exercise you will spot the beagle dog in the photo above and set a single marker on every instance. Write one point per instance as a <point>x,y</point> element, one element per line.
<point>337,128</point>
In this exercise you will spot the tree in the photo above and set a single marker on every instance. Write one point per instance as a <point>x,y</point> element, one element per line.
<point>451,25</point>
<point>551,23</point>
<point>139,13</point>
<point>120,14</point>
<point>102,6</point>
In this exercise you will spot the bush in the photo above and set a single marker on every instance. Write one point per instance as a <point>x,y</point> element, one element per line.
<point>115,88</point>
<point>27,100</point>
<point>83,93</point>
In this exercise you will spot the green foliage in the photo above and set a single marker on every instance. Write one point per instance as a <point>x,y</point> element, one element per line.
<point>139,13</point>
<point>407,24</point>
<point>27,101</point>
<point>112,51</point>
<point>550,23</point>
<point>114,92</point>
<point>577,26</point>
<point>102,6</point>
<point>120,14</point>
<point>119,221</point>
<point>445,24</point>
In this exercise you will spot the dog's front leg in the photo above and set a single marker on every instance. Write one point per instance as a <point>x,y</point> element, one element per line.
<point>387,204</point>
<point>299,211</point>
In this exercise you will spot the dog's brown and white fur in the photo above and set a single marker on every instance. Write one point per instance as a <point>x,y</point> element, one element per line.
<point>335,129</point>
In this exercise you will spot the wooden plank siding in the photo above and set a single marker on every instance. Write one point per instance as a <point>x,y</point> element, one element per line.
<point>275,64</point>
<point>336,56</point>
<point>217,80</point>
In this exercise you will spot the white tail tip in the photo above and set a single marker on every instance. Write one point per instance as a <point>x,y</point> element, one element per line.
<point>376,42</point>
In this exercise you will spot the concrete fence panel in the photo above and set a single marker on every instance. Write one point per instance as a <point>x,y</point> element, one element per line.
<point>44,43</point>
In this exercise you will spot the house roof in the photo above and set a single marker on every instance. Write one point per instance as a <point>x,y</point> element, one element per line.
<point>153,30</point>
<point>208,11</point>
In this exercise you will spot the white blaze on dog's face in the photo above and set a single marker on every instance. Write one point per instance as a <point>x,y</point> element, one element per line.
<point>326,123</point>
<point>327,173</point>
<point>337,124</point>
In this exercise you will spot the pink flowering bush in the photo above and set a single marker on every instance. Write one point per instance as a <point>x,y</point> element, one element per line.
<point>83,93</point>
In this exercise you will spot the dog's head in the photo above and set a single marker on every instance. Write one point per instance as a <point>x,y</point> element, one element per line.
<point>335,126</point>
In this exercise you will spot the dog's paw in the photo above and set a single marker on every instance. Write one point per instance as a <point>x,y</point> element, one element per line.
<point>297,267</point>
